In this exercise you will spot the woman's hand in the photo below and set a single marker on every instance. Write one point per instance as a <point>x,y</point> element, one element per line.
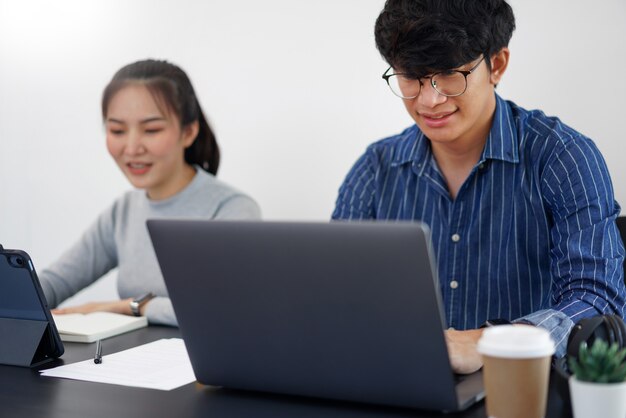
<point>118,306</point>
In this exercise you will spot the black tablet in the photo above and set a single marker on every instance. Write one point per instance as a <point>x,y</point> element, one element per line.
<point>29,336</point>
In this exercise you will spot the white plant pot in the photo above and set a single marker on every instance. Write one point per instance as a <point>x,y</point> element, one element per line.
<point>594,400</point>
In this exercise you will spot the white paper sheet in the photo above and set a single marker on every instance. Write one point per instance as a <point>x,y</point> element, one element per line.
<point>163,364</point>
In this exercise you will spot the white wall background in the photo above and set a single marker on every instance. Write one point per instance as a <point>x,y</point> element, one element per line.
<point>292,89</point>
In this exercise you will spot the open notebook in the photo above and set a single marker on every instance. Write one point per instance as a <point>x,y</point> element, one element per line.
<point>87,328</point>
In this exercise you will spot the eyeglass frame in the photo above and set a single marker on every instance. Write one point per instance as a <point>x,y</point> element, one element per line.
<point>465,73</point>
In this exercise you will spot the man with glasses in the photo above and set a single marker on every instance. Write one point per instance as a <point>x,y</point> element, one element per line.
<point>520,205</point>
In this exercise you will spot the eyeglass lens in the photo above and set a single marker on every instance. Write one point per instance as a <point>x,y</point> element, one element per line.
<point>450,83</point>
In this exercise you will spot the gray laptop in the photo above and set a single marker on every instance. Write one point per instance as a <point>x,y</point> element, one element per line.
<point>347,311</point>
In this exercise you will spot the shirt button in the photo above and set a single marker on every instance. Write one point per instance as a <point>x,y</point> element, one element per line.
<point>454,284</point>
<point>481,166</point>
<point>456,238</point>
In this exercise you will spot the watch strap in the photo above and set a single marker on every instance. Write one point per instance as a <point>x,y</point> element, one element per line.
<point>495,322</point>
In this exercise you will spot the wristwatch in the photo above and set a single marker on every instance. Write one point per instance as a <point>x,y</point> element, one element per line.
<point>138,302</point>
<point>495,322</point>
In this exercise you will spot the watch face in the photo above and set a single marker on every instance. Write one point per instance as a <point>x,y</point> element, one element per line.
<point>136,303</point>
<point>134,308</point>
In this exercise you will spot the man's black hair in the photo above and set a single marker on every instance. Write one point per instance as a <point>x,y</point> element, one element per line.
<point>421,36</point>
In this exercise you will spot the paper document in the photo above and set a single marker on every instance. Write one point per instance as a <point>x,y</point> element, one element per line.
<point>163,364</point>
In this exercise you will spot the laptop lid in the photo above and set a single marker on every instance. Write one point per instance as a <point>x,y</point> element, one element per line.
<point>338,310</point>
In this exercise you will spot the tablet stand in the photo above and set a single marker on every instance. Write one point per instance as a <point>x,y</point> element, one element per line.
<point>21,340</point>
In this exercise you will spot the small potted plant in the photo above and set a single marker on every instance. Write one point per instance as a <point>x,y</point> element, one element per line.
<point>598,382</point>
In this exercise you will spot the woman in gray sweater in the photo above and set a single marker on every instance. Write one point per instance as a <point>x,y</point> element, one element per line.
<point>157,134</point>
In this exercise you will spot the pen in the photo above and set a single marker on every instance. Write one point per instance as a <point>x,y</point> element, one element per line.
<point>98,358</point>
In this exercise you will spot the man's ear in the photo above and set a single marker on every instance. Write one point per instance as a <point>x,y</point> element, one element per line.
<point>499,62</point>
<point>190,132</point>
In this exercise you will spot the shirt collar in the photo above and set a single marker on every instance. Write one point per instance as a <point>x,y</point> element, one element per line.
<point>415,148</point>
<point>502,139</point>
<point>501,142</point>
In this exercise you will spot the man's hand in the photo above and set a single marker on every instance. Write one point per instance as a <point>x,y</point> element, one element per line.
<point>464,357</point>
<point>117,306</point>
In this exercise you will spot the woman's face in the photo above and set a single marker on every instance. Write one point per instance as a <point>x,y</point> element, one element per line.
<point>147,144</point>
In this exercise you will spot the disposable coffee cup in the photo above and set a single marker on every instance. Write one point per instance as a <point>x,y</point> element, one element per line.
<point>516,370</point>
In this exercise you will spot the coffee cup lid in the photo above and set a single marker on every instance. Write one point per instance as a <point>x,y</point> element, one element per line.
<point>516,341</point>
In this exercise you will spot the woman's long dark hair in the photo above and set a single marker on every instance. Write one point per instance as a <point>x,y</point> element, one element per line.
<point>169,85</point>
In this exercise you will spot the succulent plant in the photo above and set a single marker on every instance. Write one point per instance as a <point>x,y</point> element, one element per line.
<point>601,363</point>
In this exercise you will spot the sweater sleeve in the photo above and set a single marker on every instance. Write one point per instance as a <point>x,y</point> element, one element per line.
<point>83,263</point>
<point>160,311</point>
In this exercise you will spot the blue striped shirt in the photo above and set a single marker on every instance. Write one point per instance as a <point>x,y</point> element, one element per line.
<point>531,235</point>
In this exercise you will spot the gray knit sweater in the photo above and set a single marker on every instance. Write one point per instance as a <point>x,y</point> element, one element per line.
<point>119,238</point>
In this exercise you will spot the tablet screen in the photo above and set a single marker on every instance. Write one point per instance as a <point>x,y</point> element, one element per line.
<point>18,295</point>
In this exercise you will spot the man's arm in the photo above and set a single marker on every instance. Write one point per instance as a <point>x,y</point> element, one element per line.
<point>357,193</point>
<point>587,253</point>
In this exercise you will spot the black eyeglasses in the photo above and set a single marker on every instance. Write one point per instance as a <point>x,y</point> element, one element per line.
<point>449,83</point>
